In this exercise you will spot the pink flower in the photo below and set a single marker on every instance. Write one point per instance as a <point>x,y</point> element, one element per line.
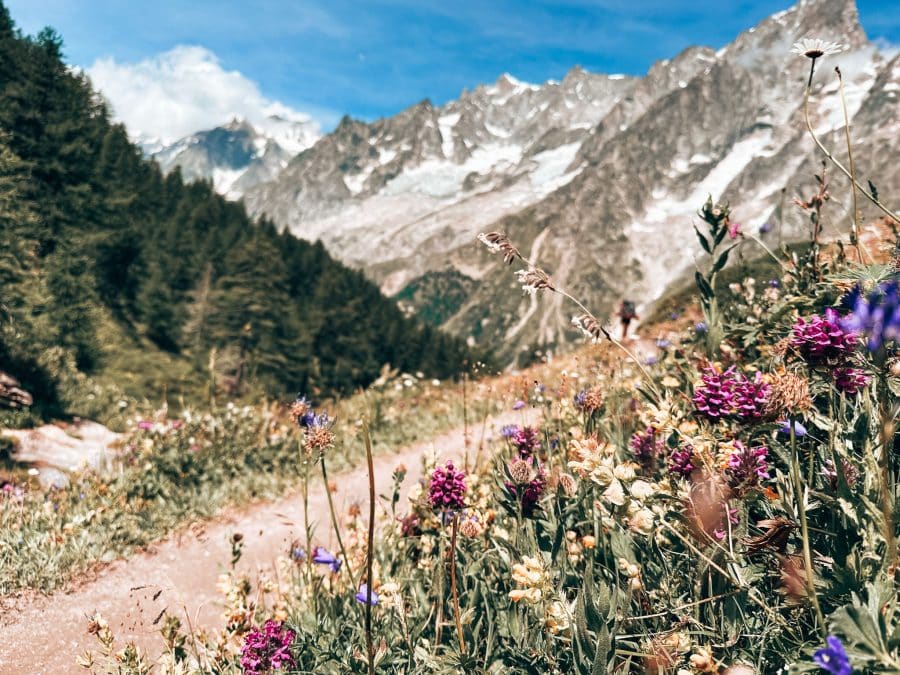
<point>850,380</point>
<point>268,649</point>
<point>447,489</point>
<point>734,229</point>
<point>820,339</point>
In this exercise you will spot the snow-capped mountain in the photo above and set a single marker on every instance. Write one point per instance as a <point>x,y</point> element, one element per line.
<point>596,176</point>
<point>238,155</point>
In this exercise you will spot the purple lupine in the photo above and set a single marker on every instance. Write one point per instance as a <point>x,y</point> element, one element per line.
<point>751,397</point>
<point>363,593</point>
<point>850,381</point>
<point>833,658</point>
<point>822,339</point>
<point>681,461</point>
<point>447,489</point>
<point>646,446</point>
<point>876,316</point>
<point>322,556</point>
<point>747,466</point>
<point>268,649</point>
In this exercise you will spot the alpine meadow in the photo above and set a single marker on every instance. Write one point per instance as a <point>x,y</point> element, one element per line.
<point>594,375</point>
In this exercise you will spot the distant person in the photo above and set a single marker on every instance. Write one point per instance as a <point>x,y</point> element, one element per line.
<point>627,313</point>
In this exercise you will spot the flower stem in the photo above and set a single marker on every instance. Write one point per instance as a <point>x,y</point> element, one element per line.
<point>335,525</point>
<point>804,530</point>
<point>453,591</point>
<point>370,543</point>
<point>854,220</point>
<point>887,501</point>
<point>831,157</point>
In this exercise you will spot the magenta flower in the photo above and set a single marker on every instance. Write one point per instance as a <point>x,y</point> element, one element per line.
<point>447,489</point>
<point>722,395</point>
<point>850,381</point>
<point>646,446</point>
<point>747,466</point>
<point>734,229</point>
<point>822,339</point>
<point>527,441</point>
<point>268,649</point>
<point>681,461</point>
<point>530,493</point>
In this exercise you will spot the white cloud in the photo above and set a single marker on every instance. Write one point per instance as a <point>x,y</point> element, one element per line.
<point>179,92</point>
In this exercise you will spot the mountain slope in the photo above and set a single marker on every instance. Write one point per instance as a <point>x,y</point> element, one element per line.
<point>599,175</point>
<point>157,287</point>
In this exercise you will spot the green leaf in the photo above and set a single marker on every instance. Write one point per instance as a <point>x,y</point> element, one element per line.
<point>601,655</point>
<point>721,261</point>
<point>703,242</point>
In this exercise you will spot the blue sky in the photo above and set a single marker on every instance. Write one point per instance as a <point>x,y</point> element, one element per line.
<point>371,58</point>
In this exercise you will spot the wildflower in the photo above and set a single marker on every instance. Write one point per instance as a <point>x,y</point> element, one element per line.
<point>766,227</point>
<point>681,461</point>
<point>850,381</point>
<point>509,430</point>
<point>701,327</point>
<point>746,466</point>
<point>734,230</point>
<point>471,527</point>
<point>521,471</point>
<point>530,491</point>
<point>497,242</point>
<point>531,577</point>
<point>833,657</point>
<point>663,343</point>
<point>557,617</point>
<point>726,394</point>
<point>534,279</point>
<point>591,327</point>
<point>788,395</point>
<point>363,594</point>
<point>518,405</point>
<point>318,430</point>
<point>447,488</point>
<point>877,316</point>
<point>814,48</point>
<point>823,339</point>
<point>299,409</point>
<point>646,446</point>
<point>268,649</point>
<point>527,441</point>
<point>784,428</point>
<point>322,556</point>
<point>588,400</point>
<point>298,553</point>
<point>568,485</point>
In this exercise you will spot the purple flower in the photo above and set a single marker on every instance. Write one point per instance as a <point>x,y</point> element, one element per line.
<point>681,461</point>
<point>322,556</point>
<point>646,446</point>
<point>850,381</point>
<point>833,658</point>
<point>530,493</point>
<point>851,474</point>
<point>311,420</point>
<point>527,441</point>
<point>774,283</point>
<point>877,316</point>
<point>580,400</point>
<point>747,466</point>
<point>268,649</point>
<point>298,554</point>
<point>701,327</point>
<point>784,427</point>
<point>518,405</point>
<point>447,489</point>
<point>822,339</point>
<point>363,592</point>
<point>509,430</point>
<point>765,228</point>
<point>662,343</point>
<point>721,395</point>
<point>651,361</point>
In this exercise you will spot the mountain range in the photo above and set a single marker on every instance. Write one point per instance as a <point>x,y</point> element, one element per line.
<point>596,176</point>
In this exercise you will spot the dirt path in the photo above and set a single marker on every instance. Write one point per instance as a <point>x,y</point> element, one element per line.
<point>179,574</point>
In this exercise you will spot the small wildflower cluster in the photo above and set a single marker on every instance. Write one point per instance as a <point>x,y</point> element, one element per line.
<point>647,446</point>
<point>532,579</point>
<point>728,395</point>
<point>447,489</point>
<point>746,466</point>
<point>317,428</point>
<point>268,648</point>
<point>526,440</point>
<point>821,340</point>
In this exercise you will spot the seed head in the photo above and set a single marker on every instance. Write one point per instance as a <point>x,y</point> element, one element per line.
<point>497,242</point>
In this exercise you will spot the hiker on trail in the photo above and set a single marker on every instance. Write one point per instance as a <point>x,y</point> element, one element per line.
<point>626,314</point>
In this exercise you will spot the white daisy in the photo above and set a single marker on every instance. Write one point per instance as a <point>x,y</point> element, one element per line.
<point>814,48</point>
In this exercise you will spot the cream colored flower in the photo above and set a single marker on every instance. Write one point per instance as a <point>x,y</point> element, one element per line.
<point>814,48</point>
<point>642,490</point>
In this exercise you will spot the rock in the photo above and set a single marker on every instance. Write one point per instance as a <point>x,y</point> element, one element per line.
<point>63,447</point>
<point>11,393</point>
